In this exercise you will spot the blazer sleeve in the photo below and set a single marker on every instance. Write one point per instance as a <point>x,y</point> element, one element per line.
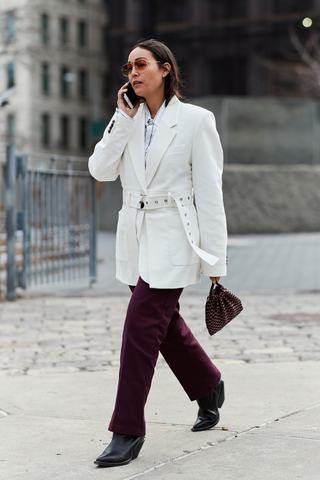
<point>104,162</point>
<point>207,167</point>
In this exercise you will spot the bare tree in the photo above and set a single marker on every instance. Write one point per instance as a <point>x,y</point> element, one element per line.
<point>298,69</point>
<point>309,55</point>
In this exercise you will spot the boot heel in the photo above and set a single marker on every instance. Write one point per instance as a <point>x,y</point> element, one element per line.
<point>221,394</point>
<point>136,452</point>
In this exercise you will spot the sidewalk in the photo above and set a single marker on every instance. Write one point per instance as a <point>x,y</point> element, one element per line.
<point>57,426</point>
<point>59,358</point>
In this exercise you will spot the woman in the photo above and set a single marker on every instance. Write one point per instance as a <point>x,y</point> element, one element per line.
<point>167,154</point>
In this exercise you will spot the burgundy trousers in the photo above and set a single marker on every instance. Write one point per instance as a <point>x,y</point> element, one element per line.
<point>153,323</point>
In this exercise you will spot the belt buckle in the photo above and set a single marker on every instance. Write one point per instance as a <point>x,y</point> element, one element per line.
<point>141,201</point>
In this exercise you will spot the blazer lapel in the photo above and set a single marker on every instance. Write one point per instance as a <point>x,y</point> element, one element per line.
<point>136,148</point>
<point>162,139</point>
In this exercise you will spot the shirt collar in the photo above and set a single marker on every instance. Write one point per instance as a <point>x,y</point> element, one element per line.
<point>158,116</point>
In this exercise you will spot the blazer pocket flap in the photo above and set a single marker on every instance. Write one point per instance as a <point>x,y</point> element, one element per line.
<point>176,149</point>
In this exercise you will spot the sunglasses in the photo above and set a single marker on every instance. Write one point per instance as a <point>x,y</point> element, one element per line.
<point>139,65</point>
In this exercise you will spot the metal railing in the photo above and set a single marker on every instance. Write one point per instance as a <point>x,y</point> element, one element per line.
<point>55,210</point>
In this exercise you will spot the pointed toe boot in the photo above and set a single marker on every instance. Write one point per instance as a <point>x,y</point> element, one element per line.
<point>121,450</point>
<point>208,414</point>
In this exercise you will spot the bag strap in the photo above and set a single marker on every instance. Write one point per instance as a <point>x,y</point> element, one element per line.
<point>215,286</point>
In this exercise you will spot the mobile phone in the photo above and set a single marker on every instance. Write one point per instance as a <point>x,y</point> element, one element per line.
<point>130,97</point>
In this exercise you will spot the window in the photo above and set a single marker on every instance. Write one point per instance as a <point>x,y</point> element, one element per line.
<point>64,31</point>
<point>45,29</point>
<point>45,129</point>
<point>228,76</point>
<point>174,11</point>
<point>83,83</point>
<point>82,34</point>
<point>293,6</point>
<point>105,82</point>
<point>227,8</point>
<point>45,78</point>
<point>11,81</point>
<point>11,129</point>
<point>64,131</point>
<point>104,38</point>
<point>64,83</point>
<point>10,26</point>
<point>83,133</point>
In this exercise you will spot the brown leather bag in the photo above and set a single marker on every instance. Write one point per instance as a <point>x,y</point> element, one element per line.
<point>222,306</point>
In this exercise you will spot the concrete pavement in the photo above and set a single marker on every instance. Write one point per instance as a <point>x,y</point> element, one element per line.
<point>57,425</point>
<point>59,369</point>
<point>50,335</point>
<point>59,358</point>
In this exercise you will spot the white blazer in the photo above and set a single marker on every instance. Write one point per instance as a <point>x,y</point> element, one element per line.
<point>161,235</point>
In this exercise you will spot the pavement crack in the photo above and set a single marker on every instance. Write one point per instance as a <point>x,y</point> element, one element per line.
<point>212,444</point>
<point>279,435</point>
<point>181,457</point>
<point>288,415</point>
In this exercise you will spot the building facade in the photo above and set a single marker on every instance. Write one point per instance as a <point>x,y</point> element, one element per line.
<point>224,47</point>
<point>64,57</point>
<point>53,54</point>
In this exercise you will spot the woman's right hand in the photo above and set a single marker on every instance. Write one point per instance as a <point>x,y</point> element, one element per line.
<point>122,104</point>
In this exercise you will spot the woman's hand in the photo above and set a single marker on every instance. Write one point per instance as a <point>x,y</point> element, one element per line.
<point>214,279</point>
<point>122,104</point>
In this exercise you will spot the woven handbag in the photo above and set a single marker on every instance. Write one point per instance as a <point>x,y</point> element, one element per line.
<point>222,306</point>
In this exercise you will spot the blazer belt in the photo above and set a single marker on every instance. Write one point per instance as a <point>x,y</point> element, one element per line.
<point>151,202</point>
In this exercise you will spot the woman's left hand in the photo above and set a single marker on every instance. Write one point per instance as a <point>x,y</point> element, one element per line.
<point>214,279</point>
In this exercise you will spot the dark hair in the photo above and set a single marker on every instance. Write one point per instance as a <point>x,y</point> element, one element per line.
<point>163,54</point>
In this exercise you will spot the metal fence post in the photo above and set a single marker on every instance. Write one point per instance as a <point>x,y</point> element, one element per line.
<point>22,220</point>
<point>93,231</point>
<point>11,221</point>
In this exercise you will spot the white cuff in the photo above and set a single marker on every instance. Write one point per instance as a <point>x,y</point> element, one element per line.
<point>123,114</point>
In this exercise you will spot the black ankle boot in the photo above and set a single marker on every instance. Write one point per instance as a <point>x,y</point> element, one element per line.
<point>121,450</point>
<point>208,414</point>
